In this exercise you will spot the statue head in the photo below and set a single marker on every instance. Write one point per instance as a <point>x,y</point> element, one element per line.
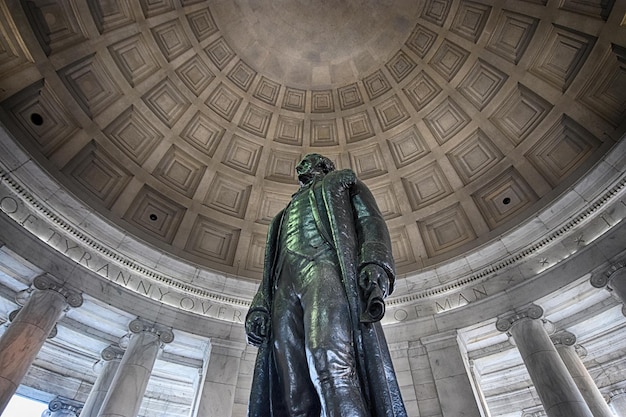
<point>313,165</point>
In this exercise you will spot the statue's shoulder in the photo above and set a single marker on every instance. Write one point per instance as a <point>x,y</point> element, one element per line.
<point>343,177</point>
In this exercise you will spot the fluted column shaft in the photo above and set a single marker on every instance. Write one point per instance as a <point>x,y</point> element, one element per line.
<point>111,357</point>
<point>21,342</point>
<point>555,386</point>
<point>131,379</point>
<point>564,343</point>
<point>617,402</point>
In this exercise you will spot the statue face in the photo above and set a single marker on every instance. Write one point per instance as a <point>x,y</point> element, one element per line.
<point>309,168</point>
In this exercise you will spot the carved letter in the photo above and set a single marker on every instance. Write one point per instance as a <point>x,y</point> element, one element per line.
<point>162,293</point>
<point>444,307</point>
<point>220,312</point>
<point>400,314</point>
<point>145,290</point>
<point>86,257</point>
<point>237,315</point>
<point>9,208</point>
<point>67,246</point>
<point>206,309</point>
<point>479,294</point>
<point>187,306</point>
<point>462,297</point>
<point>124,280</point>
<point>105,267</point>
<point>28,218</point>
<point>52,235</point>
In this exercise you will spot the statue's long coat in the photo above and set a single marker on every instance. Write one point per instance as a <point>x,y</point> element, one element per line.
<point>347,215</point>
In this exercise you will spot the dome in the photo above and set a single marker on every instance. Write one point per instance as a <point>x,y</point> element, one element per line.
<point>185,132</point>
<point>154,141</point>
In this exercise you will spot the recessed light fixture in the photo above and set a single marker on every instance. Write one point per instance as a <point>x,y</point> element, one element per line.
<point>36,119</point>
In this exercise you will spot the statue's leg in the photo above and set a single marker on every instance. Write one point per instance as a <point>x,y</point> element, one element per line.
<point>330,345</point>
<point>299,393</point>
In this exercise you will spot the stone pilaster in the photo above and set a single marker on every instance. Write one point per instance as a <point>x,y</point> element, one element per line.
<point>453,385</point>
<point>63,407</point>
<point>614,280</point>
<point>29,329</point>
<point>555,386</point>
<point>617,402</point>
<point>399,352</point>
<point>564,342</point>
<point>106,368</point>
<point>423,381</point>
<point>480,396</point>
<point>131,379</point>
<point>220,379</point>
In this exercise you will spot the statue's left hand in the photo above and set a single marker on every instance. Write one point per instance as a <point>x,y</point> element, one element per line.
<point>257,327</point>
<point>374,283</point>
<point>372,276</point>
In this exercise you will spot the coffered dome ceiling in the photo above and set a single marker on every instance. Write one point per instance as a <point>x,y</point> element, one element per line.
<point>182,122</point>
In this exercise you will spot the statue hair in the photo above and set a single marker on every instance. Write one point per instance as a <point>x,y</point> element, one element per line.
<point>323,162</point>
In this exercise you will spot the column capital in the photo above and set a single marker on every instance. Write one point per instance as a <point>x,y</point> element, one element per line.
<point>616,393</point>
<point>602,278</point>
<point>13,314</point>
<point>613,279</point>
<point>139,325</point>
<point>53,332</point>
<point>45,282</point>
<point>112,352</point>
<point>563,337</point>
<point>64,405</point>
<point>533,311</point>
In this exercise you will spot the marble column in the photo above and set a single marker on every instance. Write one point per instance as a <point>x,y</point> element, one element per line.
<point>220,379</point>
<point>452,383</point>
<point>63,407</point>
<point>564,342</point>
<point>617,402</point>
<point>106,368</point>
<point>555,386</point>
<point>614,279</point>
<point>21,342</point>
<point>131,379</point>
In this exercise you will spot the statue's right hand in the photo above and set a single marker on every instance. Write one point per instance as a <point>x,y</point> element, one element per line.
<point>257,327</point>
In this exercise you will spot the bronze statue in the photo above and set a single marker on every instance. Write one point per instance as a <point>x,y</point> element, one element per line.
<point>315,318</point>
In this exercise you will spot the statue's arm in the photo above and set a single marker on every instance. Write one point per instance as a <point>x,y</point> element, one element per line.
<point>258,317</point>
<point>373,237</point>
